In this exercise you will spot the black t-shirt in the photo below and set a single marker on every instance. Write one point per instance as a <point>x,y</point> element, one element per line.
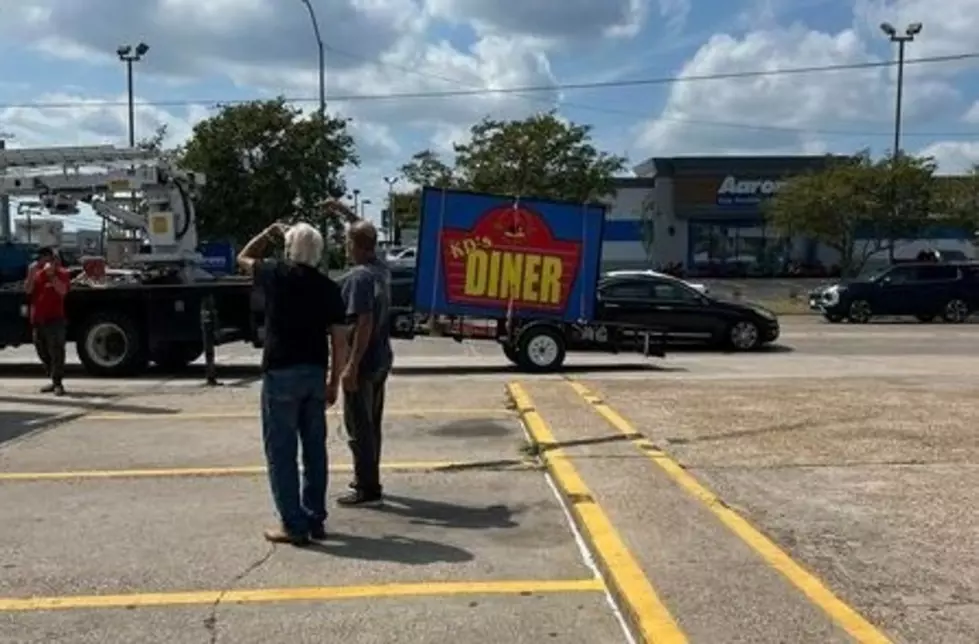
<point>301,304</point>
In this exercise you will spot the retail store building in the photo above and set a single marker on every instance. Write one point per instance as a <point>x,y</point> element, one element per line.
<point>708,212</point>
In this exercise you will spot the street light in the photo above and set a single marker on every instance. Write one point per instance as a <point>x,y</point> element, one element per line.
<point>6,227</point>
<point>363,207</point>
<point>129,55</point>
<point>322,56</point>
<point>356,200</point>
<point>902,39</point>
<point>391,226</point>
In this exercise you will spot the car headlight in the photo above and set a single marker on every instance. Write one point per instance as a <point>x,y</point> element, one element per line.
<point>832,295</point>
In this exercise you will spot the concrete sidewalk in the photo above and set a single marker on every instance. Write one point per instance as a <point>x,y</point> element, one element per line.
<point>719,584</point>
<point>139,520</point>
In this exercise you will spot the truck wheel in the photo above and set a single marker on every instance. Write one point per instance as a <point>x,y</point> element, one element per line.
<point>110,344</point>
<point>541,349</point>
<point>177,356</point>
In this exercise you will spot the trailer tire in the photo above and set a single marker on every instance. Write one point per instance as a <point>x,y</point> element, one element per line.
<point>541,349</point>
<point>176,356</point>
<point>111,345</point>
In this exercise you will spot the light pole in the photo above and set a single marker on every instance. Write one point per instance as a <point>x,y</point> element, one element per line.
<point>6,224</point>
<point>392,226</point>
<point>357,201</point>
<point>363,207</point>
<point>322,55</point>
<point>129,55</point>
<point>902,39</point>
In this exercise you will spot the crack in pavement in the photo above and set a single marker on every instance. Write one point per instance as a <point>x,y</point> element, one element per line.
<point>211,621</point>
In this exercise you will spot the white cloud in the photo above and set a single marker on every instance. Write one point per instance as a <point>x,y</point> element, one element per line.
<point>972,116</point>
<point>556,20</point>
<point>953,157</point>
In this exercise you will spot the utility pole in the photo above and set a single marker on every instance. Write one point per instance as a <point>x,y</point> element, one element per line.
<point>321,50</point>
<point>6,227</point>
<point>392,224</point>
<point>902,39</point>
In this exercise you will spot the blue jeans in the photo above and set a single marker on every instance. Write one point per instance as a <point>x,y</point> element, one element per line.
<point>293,412</point>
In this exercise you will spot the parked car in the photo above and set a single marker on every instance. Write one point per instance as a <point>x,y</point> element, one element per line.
<point>924,290</point>
<point>684,312</point>
<point>651,273</point>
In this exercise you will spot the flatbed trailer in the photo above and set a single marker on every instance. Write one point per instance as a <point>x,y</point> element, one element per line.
<point>521,272</point>
<point>119,329</point>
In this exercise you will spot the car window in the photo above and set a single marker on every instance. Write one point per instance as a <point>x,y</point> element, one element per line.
<point>627,290</point>
<point>900,275</point>
<point>937,273</point>
<point>674,292</point>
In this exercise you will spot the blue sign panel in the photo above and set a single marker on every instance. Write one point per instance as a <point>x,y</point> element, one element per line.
<point>482,255</point>
<point>219,257</point>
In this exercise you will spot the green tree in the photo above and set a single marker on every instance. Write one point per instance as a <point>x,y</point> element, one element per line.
<point>264,162</point>
<point>540,156</point>
<point>959,197</point>
<point>857,206</point>
<point>427,169</point>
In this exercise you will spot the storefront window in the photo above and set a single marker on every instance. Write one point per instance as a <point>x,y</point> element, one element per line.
<point>737,250</point>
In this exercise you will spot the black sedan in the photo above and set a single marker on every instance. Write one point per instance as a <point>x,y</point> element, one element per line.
<point>689,316</point>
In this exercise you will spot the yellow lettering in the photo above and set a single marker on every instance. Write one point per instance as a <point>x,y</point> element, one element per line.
<point>531,278</point>
<point>493,287</point>
<point>511,276</point>
<point>550,281</point>
<point>476,274</point>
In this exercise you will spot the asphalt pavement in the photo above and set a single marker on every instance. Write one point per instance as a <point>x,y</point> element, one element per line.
<point>819,491</point>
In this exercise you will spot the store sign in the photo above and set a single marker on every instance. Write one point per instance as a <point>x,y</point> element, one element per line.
<point>746,192</point>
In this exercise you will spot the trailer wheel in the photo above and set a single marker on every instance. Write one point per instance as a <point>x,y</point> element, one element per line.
<point>541,349</point>
<point>110,344</point>
<point>176,356</point>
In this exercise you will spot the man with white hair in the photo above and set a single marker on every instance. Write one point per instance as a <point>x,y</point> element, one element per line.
<point>302,307</point>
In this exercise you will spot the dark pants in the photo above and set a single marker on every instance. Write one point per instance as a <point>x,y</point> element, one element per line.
<point>293,412</point>
<point>49,340</point>
<point>363,411</point>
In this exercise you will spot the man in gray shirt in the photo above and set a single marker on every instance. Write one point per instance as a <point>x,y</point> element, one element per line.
<point>367,295</point>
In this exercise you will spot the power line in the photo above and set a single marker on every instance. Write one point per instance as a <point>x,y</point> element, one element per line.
<point>530,92</point>
<point>568,105</point>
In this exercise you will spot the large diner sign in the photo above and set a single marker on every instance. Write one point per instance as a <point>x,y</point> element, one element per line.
<point>738,191</point>
<point>483,255</point>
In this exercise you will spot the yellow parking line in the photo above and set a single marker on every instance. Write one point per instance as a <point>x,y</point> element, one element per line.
<point>649,614</point>
<point>237,414</point>
<point>247,470</point>
<point>817,592</point>
<point>315,593</point>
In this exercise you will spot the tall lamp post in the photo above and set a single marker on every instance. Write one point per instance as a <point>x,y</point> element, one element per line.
<point>902,39</point>
<point>6,223</point>
<point>392,226</point>
<point>129,55</point>
<point>321,50</point>
<point>363,207</point>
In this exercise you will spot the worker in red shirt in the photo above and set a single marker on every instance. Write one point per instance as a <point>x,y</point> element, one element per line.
<point>46,286</point>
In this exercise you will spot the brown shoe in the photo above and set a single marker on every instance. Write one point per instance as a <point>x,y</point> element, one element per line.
<point>278,535</point>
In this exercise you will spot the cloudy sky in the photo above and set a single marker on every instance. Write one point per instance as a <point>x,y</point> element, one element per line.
<point>61,84</point>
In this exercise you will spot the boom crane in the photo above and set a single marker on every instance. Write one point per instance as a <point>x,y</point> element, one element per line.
<point>164,209</point>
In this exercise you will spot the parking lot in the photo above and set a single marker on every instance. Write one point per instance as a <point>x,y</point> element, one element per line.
<point>820,492</point>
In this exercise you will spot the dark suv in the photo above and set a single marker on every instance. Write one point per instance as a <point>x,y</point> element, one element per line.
<point>925,290</point>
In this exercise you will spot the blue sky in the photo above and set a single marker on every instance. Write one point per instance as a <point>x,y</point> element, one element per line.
<point>57,65</point>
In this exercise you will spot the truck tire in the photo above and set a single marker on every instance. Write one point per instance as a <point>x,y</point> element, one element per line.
<point>110,344</point>
<point>541,349</point>
<point>176,356</point>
